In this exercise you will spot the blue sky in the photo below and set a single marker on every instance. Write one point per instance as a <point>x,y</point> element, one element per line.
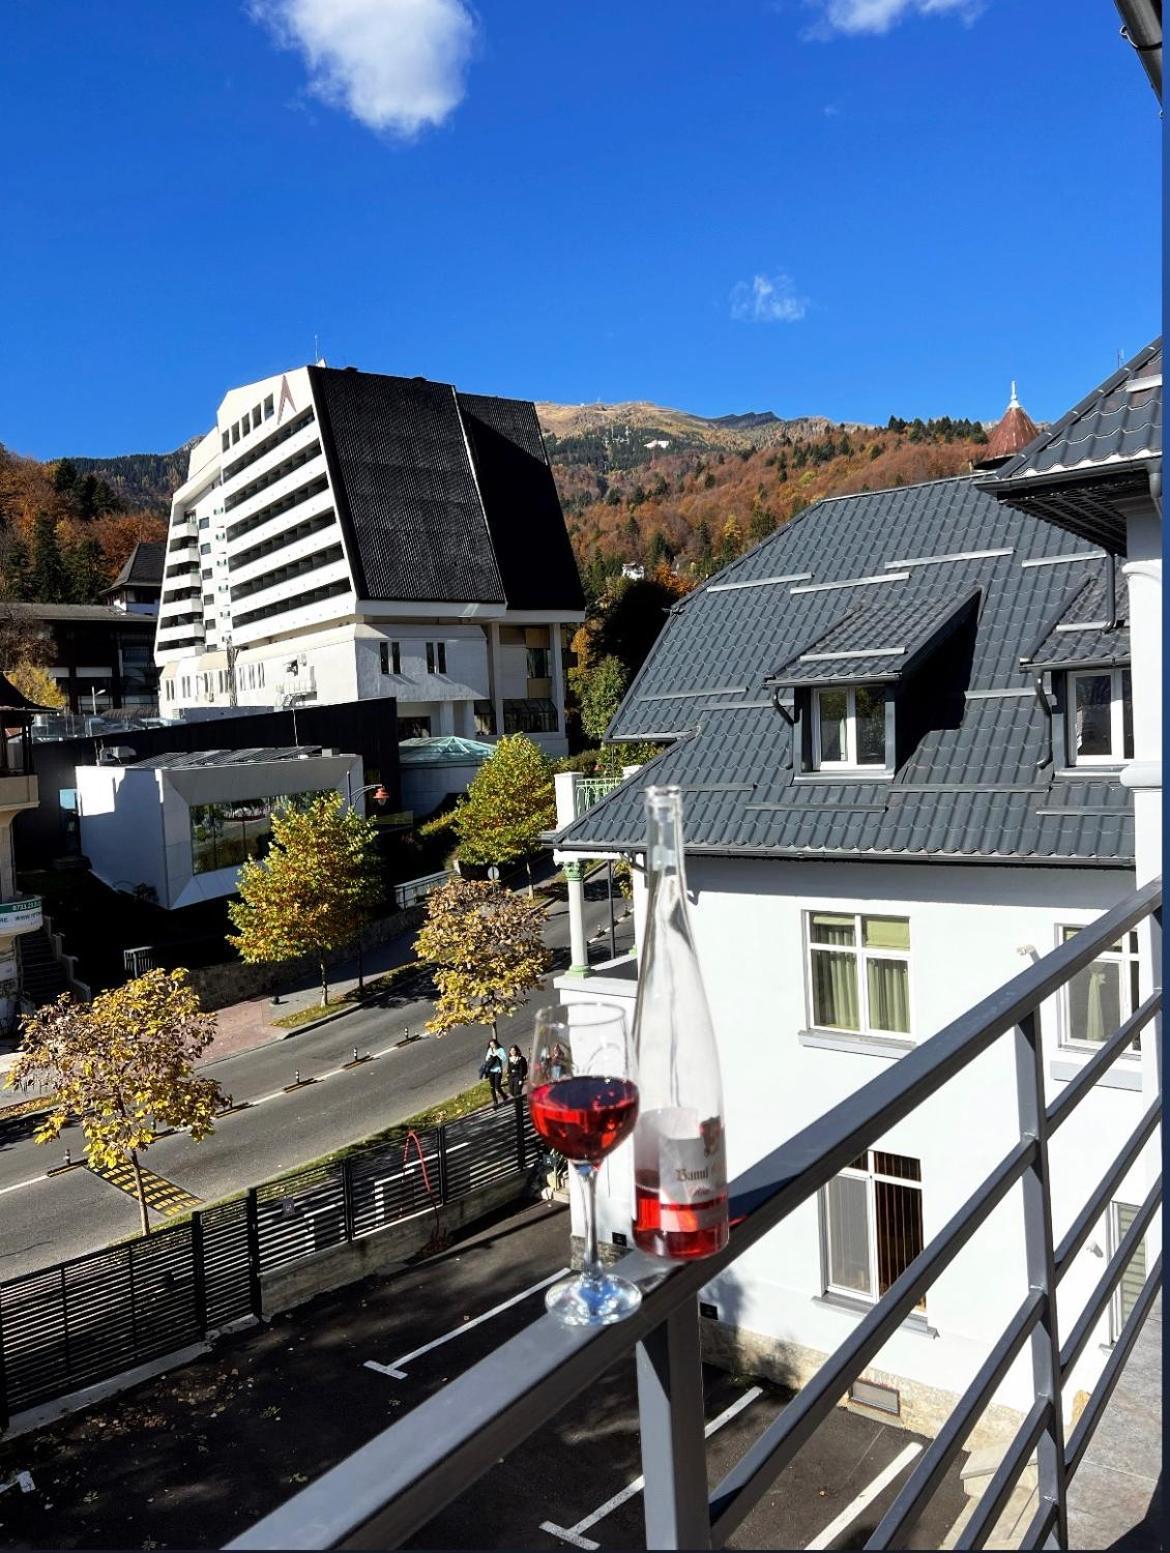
<point>845,207</point>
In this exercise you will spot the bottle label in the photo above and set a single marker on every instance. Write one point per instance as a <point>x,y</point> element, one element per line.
<point>687,1155</point>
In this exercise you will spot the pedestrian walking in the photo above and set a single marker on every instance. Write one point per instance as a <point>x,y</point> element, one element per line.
<point>493,1069</point>
<point>517,1071</point>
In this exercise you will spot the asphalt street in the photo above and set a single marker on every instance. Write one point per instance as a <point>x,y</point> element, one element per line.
<point>194,1458</point>
<point>48,1219</point>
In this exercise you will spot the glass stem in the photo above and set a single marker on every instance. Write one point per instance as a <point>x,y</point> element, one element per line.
<point>590,1261</point>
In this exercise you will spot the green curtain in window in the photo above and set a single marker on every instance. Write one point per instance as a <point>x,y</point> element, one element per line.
<point>835,1001</point>
<point>889,995</point>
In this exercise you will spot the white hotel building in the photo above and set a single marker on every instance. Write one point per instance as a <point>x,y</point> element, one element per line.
<point>345,535</point>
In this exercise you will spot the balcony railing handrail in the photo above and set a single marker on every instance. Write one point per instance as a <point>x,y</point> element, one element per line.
<point>382,1493</point>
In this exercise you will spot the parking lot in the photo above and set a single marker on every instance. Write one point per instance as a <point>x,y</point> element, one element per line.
<point>191,1459</point>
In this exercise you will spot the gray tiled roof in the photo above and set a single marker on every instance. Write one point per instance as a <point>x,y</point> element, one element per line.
<point>875,641</point>
<point>1082,472</point>
<point>1113,424</point>
<point>1064,647</point>
<point>971,787</point>
<point>197,759</point>
<point>143,567</point>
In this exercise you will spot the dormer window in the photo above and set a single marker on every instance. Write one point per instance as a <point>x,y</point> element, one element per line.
<point>849,727</point>
<point>1100,717</point>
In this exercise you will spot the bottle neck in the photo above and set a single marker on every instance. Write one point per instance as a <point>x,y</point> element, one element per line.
<point>664,849</point>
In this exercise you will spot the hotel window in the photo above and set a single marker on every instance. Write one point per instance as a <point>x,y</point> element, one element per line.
<point>538,663</point>
<point>204,522</point>
<point>1099,999</point>
<point>227,441</point>
<point>255,416</point>
<point>205,549</point>
<point>1121,1216</point>
<point>849,727</point>
<point>871,1217</point>
<point>384,656</point>
<point>430,657</point>
<point>1100,717</point>
<point>396,657</point>
<point>269,408</point>
<point>859,972</point>
<point>236,433</point>
<point>260,674</point>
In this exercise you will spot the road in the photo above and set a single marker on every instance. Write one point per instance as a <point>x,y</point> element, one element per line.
<point>216,1445</point>
<point>48,1219</point>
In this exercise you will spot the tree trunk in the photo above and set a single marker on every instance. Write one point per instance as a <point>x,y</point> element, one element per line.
<point>528,865</point>
<point>141,1190</point>
<point>324,984</point>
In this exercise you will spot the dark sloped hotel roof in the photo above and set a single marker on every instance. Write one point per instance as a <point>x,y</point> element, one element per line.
<point>445,496</point>
<point>976,785</point>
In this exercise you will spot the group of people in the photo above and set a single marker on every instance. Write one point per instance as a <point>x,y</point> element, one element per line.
<point>502,1068</point>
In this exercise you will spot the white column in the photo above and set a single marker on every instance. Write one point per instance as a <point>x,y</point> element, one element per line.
<point>565,787</point>
<point>495,677</point>
<point>558,675</point>
<point>579,946</point>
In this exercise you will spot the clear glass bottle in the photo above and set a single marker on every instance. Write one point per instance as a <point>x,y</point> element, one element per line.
<point>680,1162</point>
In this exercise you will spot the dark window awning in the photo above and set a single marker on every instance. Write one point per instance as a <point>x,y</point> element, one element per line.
<point>876,643</point>
<point>1089,631</point>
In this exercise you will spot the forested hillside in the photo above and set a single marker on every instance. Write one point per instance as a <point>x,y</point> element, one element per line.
<point>638,482</point>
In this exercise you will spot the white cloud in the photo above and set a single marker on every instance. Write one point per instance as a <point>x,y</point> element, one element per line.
<point>858,16</point>
<point>767,299</point>
<point>396,65</point>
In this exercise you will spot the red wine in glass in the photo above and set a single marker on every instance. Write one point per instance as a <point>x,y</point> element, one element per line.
<point>584,1118</point>
<point>583,1101</point>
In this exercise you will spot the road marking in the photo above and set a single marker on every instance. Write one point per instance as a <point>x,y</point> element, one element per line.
<point>572,1534</point>
<point>396,1369</point>
<point>163,1196</point>
<point>867,1495</point>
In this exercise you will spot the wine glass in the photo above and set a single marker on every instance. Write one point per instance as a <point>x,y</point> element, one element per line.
<point>583,1101</point>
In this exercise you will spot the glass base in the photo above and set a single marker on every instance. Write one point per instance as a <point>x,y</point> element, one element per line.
<point>592,1302</point>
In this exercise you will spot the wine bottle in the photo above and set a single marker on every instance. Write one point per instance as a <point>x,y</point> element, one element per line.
<point>680,1162</point>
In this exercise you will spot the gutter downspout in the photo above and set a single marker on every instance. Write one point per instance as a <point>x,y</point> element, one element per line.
<point>1046,757</point>
<point>1110,591</point>
<point>1141,27</point>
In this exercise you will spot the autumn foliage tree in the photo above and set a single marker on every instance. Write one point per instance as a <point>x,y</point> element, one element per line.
<point>509,803</point>
<point>313,891</point>
<point>486,950</point>
<point>124,1066</point>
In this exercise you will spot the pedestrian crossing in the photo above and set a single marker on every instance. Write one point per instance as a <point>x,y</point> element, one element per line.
<point>161,1195</point>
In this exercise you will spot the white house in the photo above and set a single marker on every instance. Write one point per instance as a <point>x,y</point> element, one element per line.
<point>346,534</point>
<point>903,726</point>
<point>179,826</point>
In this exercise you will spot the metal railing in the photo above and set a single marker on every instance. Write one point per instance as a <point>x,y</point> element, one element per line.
<point>591,790</point>
<point>383,1493</point>
<point>415,890</point>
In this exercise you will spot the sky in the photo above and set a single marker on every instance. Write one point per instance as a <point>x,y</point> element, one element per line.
<point>853,208</point>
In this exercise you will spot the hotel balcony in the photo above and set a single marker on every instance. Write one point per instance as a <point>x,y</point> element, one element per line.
<point>1065,1477</point>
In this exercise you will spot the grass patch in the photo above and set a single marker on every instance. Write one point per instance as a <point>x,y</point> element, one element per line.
<point>383,983</point>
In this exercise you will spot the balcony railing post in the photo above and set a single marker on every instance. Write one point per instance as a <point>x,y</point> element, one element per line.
<point>670,1414</point>
<point>1040,1252</point>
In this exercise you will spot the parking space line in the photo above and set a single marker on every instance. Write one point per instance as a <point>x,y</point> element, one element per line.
<point>396,1369</point>
<point>867,1495</point>
<point>572,1534</point>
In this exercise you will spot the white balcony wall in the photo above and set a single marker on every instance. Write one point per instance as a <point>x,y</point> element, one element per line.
<point>265,464</point>
<point>971,930</point>
<point>311,469</point>
<point>273,528</point>
<point>285,555</point>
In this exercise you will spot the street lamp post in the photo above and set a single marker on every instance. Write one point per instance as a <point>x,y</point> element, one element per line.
<point>381,798</point>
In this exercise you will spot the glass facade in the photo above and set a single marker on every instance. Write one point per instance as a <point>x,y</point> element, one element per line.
<point>224,835</point>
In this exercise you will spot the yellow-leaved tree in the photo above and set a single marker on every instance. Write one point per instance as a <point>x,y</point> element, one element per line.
<point>486,950</point>
<point>124,1066</point>
<point>37,684</point>
<point>314,890</point>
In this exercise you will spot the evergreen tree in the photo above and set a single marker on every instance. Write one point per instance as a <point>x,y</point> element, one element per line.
<point>65,477</point>
<point>83,570</point>
<point>47,582</point>
<point>601,695</point>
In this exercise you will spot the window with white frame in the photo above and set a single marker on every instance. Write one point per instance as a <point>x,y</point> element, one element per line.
<point>872,1224</point>
<point>1099,999</point>
<point>849,727</point>
<point>1121,1216</point>
<point>859,972</point>
<point>1100,717</point>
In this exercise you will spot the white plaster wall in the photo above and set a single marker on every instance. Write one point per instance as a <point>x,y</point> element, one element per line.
<point>121,822</point>
<point>967,927</point>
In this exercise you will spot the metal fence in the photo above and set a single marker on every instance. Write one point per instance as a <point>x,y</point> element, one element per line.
<point>591,790</point>
<point>382,1494</point>
<point>415,890</point>
<point>96,1316</point>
